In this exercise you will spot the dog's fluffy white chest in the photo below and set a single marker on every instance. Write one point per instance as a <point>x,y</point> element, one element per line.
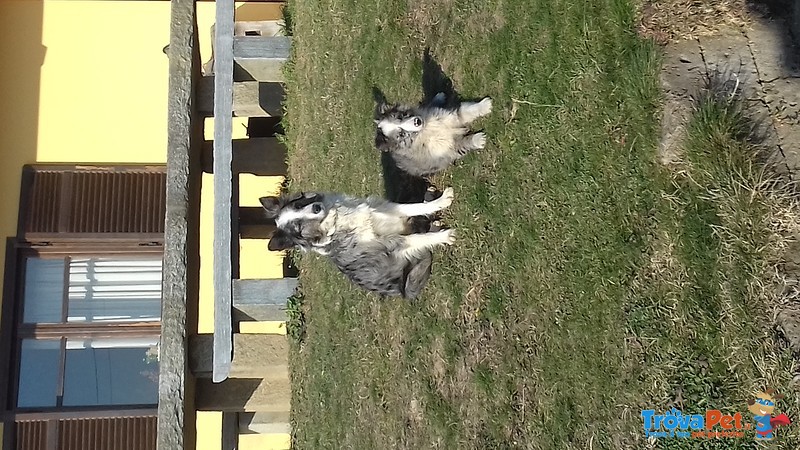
<point>366,222</point>
<point>439,133</point>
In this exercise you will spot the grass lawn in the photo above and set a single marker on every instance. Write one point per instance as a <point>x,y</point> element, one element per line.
<point>588,282</point>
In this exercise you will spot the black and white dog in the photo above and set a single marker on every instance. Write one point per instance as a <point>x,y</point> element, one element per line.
<point>370,240</point>
<point>428,138</point>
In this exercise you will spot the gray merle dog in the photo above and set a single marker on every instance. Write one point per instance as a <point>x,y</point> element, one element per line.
<point>428,138</point>
<point>370,240</point>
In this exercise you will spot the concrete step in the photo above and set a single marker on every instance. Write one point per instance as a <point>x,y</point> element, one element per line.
<point>250,98</point>
<point>261,57</point>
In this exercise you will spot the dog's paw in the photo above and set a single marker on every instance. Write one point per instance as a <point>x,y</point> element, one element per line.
<point>446,199</point>
<point>479,140</point>
<point>430,195</point>
<point>449,236</point>
<point>485,106</point>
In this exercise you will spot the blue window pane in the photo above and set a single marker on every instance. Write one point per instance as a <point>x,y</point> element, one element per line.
<point>38,373</point>
<point>114,289</point>
<point>44,290</point>
<point>111,372</point>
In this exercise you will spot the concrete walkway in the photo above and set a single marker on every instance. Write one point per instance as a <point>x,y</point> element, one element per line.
<point>766,61</point>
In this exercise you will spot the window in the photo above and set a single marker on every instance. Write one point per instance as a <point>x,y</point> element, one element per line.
<point>82,306</point>
<point>94,372</point>
<point>65,364</point>
<point>92,289</point>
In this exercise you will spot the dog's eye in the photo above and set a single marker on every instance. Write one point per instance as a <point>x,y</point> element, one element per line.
<point>316,209</point>
<point>417,122</point>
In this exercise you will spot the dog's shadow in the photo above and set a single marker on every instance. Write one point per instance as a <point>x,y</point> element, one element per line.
<point>435,81</point>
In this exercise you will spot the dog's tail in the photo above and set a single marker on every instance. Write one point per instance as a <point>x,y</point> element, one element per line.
<point>416,276</point>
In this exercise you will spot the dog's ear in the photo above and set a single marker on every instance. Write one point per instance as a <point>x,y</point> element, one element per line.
<point>271,205</point>
<point>280,240</point>
<point>381,108</point>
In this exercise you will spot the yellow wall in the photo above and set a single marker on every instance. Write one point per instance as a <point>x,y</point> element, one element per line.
<point>86,81</point>
<point>103,84</point>
<point>20,42</point>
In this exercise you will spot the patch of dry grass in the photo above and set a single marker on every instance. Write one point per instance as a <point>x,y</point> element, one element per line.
<point>673,20</point>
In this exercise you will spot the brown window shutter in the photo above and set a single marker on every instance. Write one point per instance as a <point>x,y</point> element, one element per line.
<point>117,433</point>
<point>65,203</point>
<point>31,435</point>
<point>122,433</point>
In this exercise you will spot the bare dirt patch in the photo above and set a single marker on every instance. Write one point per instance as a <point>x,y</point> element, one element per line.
<point>751,40</point>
